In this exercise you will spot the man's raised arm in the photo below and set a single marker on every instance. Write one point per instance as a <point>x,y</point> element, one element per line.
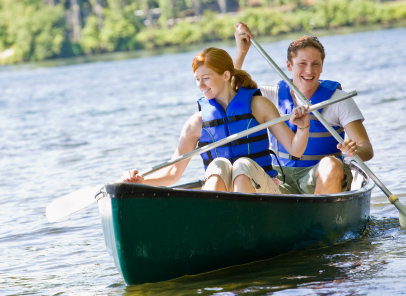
<point>243,39</point>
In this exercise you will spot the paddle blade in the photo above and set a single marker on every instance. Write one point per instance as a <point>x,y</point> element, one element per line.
<point>71,203</point>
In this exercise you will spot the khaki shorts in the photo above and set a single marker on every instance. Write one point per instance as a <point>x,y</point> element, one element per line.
<point>260,180</point>
<point>302,180</point>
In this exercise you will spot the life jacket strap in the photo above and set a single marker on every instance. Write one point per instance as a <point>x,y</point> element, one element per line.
<point>324,134</point>
<point>308,157</point>
<point>213,123</point>
<point>238,142</point>
<point>254,155</point>
<point>228,119</point>
<point>249,140</point>
<point>202,144</point>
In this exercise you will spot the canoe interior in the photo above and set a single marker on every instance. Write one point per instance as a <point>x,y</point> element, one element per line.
<point>160,233</point>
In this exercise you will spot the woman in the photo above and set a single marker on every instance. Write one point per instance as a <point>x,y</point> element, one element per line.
<point>230,105</point>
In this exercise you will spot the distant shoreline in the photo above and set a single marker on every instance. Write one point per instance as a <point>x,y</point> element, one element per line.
<point>49,29</point>
<point>143,53</point>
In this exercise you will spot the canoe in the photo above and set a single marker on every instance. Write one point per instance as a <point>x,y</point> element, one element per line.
<point>160,233</point>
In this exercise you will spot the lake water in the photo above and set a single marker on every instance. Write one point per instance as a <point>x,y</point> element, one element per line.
<point>67,127</point>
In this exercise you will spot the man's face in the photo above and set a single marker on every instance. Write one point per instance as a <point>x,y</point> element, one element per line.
<point>306,68</point>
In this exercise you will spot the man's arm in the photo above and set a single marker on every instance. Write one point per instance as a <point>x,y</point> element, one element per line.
<point>242,38</point>
<point>358,141</point>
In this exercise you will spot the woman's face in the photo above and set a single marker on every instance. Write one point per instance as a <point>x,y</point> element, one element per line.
<point>210,83</point>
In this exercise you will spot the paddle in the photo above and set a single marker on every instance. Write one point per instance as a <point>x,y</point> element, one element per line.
<point>392,198</point>
<point>80,199</point>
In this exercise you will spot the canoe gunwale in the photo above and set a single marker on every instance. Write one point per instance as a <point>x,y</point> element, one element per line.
<point>124,190</point>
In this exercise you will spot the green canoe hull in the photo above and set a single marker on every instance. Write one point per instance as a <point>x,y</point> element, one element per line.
<point>159,233</point>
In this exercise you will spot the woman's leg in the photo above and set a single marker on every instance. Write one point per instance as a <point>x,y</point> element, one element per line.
<point>249,177</point>
<point>218,175</point>
<point>243,184</point>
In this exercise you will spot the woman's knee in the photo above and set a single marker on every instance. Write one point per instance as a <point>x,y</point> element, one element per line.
<point>242,175</point>
<point>242,164</point>
<point>218,175</point>
<point>220,162</point>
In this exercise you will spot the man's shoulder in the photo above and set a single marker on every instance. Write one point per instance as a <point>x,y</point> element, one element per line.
<point>270,92</point>
<point>272,88</point>
<point>344,105</point>
<point>343,112</point>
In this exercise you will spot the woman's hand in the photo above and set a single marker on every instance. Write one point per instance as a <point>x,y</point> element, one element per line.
<point>300,118</point>
<point>348,147</point>
<point>242,37</point>
<point>132,177</point>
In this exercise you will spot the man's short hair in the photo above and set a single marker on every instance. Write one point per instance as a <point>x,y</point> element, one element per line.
<point>303,42</point>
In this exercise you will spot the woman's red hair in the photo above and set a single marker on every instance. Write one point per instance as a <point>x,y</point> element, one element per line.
<point>220,61</point>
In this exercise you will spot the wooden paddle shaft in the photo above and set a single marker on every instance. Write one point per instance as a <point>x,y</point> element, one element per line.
<point>243,134</point>
<point>393,199</point>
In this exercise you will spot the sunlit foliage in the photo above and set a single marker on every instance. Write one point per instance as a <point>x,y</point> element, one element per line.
<point>41,29</point>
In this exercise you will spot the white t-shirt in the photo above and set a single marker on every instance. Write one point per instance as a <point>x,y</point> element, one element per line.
<point>338,114</point>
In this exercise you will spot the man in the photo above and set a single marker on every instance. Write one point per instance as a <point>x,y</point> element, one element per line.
<point>320,170</point>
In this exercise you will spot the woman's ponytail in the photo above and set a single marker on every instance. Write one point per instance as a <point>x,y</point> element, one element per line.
<point>241,78</point>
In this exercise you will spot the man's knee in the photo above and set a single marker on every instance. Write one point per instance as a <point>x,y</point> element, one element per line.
<point>330,167</point>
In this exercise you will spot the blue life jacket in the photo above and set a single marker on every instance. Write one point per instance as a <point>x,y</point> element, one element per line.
<point>321,143</point>
<point>218,124</point>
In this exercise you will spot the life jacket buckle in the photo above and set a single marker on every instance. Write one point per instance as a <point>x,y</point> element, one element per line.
<point>236,142</point>
<point>231,119</point>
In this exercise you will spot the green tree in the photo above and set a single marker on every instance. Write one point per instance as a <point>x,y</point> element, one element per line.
<point>120,26</point>
<point>30,30</point>
<point>166,7</point>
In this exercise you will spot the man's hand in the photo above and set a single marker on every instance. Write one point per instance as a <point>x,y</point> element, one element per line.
<point>242,37</point>
<point>348,147</point>
<point>356,132</point>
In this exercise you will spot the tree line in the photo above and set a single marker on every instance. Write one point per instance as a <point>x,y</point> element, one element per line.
<point>33,30</point>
